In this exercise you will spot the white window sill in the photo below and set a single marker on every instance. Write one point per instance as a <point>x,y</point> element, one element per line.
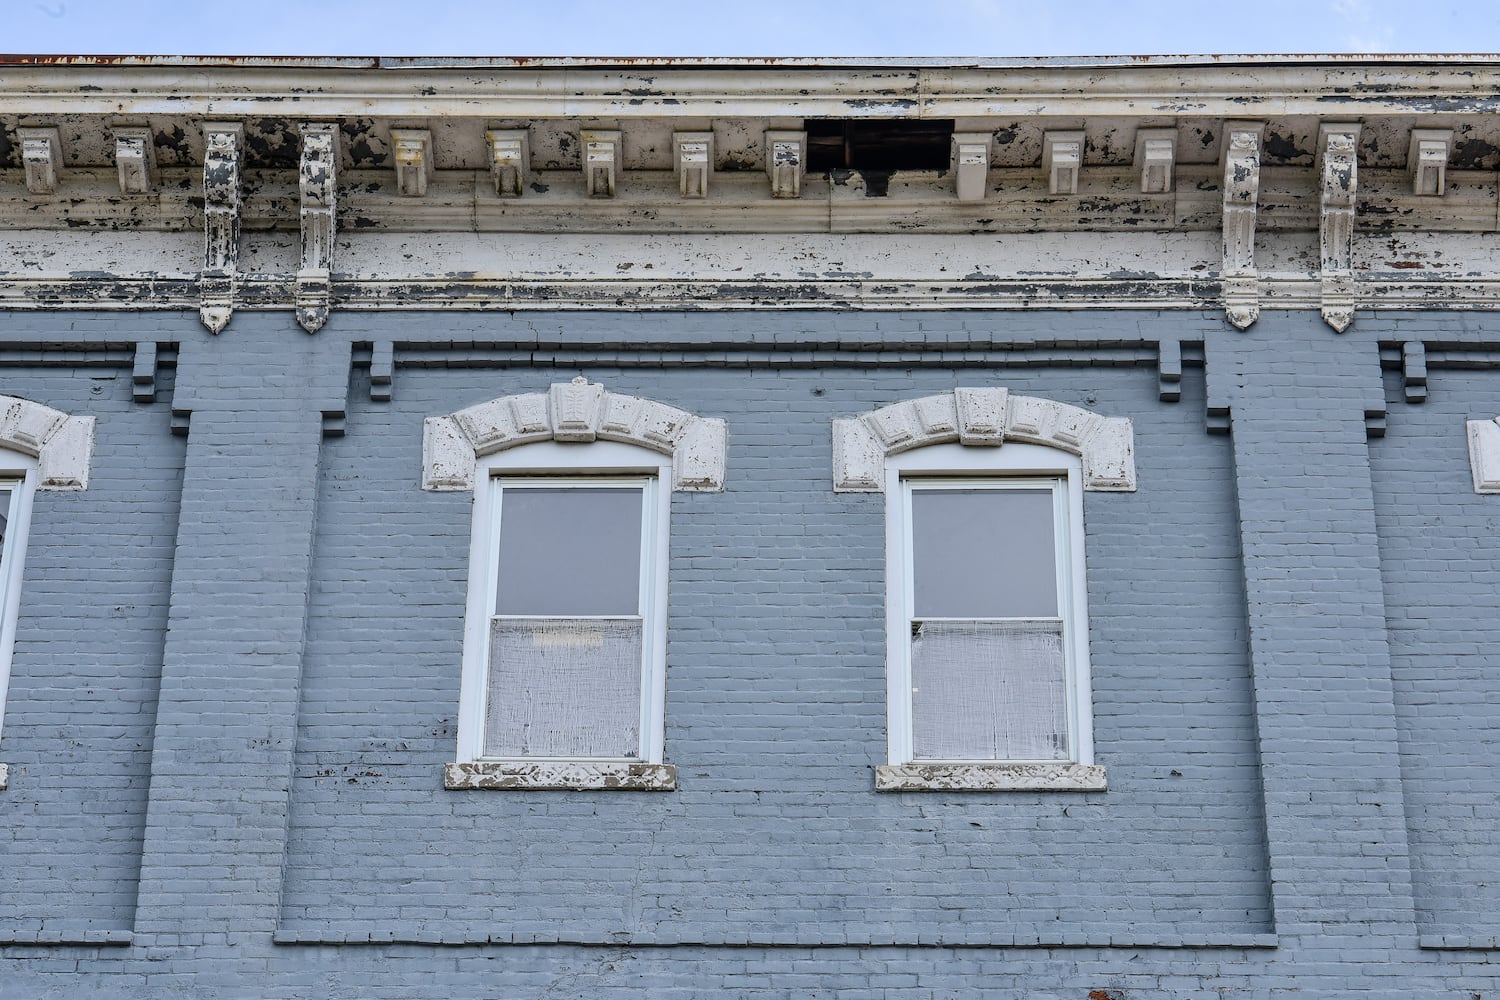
<point>1059,777</point>
<point>560,775</point>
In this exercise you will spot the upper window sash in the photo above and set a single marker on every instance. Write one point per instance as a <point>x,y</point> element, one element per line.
<point>914,485</point>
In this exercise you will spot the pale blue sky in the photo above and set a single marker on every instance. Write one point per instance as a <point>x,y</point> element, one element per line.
<point>746,27</point>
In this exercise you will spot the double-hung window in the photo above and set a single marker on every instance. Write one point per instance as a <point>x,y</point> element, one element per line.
<point>987,625</point>
<point>565,632</point>
<point>17,482</point>
<point>565,649</point>
<point>568,642</point>
<point>986,605</point>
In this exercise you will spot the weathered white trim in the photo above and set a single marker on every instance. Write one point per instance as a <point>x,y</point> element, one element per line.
<point>573,411</point>
<point>693,162</point>
<point>62,445</point>
<point>786,162</point>
<point>318,192</point>
<point>221,223</point>
<point>1062,161</point>
<point>1241,187</point>
<point>1484,454</point>
<point>41,158</point>
<point>412,158</point>
<point>1214,87</point>
<point>990,778</point>
<point>601,161</point>
<point>510,160</point>
<point>135,159</point>
<point>1338,170</point>
<point>1155,154</point>
<point>574,776</point>
<point>1427,161</point>
<point>982,417</point>
<point>969,162</point>
<point>74,268</point>
<point>4,777</point>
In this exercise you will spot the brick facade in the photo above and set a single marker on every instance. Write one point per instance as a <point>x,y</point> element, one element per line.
<point>237,665</point>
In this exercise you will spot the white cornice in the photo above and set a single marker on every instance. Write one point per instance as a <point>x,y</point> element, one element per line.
<point>230,89</point>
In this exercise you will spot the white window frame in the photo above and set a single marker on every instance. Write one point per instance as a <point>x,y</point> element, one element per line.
<point>1014,464</point>
<point>19,473</point>
<point>582,464</point>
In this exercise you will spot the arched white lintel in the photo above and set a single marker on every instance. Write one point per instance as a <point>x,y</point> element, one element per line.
<point>986,417</point>
<point>62,445</point>
<point>577,411</point>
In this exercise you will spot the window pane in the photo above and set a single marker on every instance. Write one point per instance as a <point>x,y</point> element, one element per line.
<point>564,688</point>
<point>983,553</point>
<point>569,550</point>
<point>988,691</point>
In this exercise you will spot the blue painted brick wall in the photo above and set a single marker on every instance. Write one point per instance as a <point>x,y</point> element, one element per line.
<point>237,669</point>
<point>1440,562</point>
<point>79,720</point>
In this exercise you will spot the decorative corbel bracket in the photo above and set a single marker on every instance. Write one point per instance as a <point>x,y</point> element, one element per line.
<point>601,161</point>
<point>1338,173</point>
<point>786,162</point>
<point>413,149</point>
<point>316,181</point>
<point>1427,160</point>
<point>1155,156</point>
<point>510,158</point>
<point>1062,159</point>
<point>221,222</point>
<point>1484,454</point>
<point>135,159</point>
<point>970,163</point>
<point>1240,158</point>
<point>693,159</point>
<point>41,155</point>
